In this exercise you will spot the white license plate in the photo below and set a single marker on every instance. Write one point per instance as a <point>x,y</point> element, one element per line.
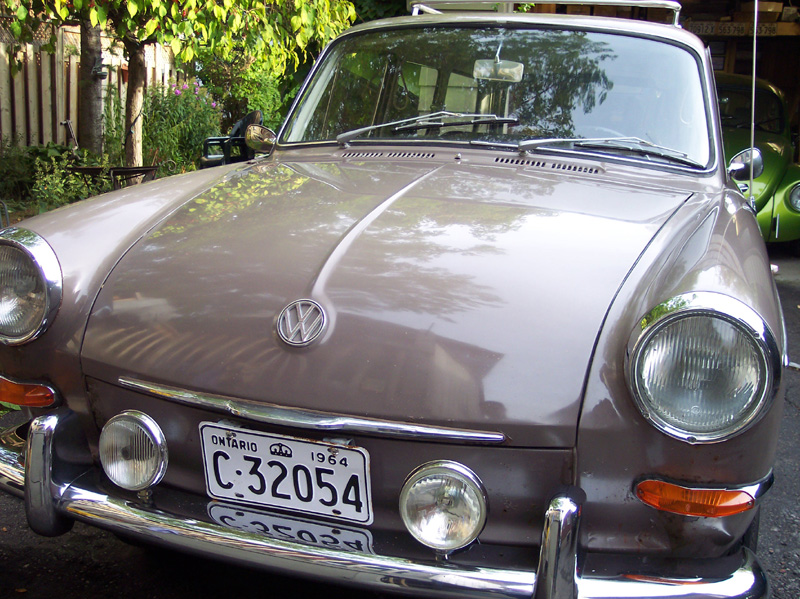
<point>312,477</point>
<point>291,529</point>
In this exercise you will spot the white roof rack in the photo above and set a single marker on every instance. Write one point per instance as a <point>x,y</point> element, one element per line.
<point>430,6</point>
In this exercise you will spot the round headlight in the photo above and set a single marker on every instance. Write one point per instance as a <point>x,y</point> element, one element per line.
<point>443,505</point>
<point>702,369</point>
<point>794,197</point>
<point>133,451</point>
<point>30,286</point>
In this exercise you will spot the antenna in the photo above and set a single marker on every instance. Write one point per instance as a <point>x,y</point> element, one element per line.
<point>753,105</point>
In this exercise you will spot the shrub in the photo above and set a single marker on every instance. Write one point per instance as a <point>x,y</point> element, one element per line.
<point>245,84</point>
<point>36,178</point>
<point>177,119</point>
<point>55,185</point>
<point>16,174</point>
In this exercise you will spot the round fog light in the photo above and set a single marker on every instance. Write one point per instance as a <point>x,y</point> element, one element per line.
<point>443,505</point>
<point>133,451</point>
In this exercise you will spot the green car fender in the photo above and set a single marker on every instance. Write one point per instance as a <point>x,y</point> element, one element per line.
<point>787,218</point>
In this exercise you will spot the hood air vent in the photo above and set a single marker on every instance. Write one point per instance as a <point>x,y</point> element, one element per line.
<point>559,166</point>
<point>411,155</point>
<point>362,155</point>
<point>389,155</point>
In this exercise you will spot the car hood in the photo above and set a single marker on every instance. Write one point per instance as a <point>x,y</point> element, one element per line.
<point>776,151</point>
<point>467,297</point>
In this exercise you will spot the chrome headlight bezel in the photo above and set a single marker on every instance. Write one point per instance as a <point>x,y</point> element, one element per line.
<point>115,462</point>
<point>44,261</point>
<point>445,469</point>
<point>793,198</point>
<point>731,311</point>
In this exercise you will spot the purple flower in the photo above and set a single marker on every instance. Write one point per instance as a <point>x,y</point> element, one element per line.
<point>177,92</point>
<point>185,86</point>
<point>213,104</point>
<point>196,91</point>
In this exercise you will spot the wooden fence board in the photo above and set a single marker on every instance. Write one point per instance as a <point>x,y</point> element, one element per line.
<point>44,94</point>
<point>5,93</point>
<point>18,111</point>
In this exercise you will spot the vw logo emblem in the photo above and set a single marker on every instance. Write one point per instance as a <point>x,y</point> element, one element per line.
<point>301,322</point>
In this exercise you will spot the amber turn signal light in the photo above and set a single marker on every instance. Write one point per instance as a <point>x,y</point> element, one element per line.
<point>710,503</point>
<point>25,394</point>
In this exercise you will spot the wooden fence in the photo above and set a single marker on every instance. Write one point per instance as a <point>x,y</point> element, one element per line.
<point>37,102</point>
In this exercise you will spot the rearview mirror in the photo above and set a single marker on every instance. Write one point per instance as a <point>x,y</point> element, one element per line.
<point>498,70</point>
<point>260,138</point>
<point>739,168</point>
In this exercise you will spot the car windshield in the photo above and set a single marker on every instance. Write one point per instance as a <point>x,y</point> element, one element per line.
<point>735,108</point>
<point>504,86</point>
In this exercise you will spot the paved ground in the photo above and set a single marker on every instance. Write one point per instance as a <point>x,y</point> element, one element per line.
<point>90,563</point>
<point>779,543</point>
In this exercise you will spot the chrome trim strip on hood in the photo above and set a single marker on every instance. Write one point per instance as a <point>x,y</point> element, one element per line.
<point>310,419</point>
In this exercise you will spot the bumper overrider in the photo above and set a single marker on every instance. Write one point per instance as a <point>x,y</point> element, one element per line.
<point>58,491</point>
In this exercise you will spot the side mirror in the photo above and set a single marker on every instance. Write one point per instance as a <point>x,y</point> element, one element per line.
<point>739,167</point>
<point>260,139</point>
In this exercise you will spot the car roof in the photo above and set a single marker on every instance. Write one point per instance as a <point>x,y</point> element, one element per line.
<point>612,25</point>
<point>744,81</point>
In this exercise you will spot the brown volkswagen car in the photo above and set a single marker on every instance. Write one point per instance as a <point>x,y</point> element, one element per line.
<point>489,318</point>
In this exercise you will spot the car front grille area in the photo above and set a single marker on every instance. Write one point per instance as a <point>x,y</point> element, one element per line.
<point>518,481</point>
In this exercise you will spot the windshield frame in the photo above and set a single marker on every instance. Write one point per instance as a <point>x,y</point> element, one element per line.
<point>704,70</point>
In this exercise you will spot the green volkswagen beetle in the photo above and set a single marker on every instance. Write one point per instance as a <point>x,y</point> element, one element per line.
<point>776,187</point>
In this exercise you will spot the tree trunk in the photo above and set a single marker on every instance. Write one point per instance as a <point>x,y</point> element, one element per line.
<point>90,121</point>
<point>134,101</point>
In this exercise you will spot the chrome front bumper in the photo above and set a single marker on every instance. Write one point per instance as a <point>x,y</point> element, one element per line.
<point>56,495</point>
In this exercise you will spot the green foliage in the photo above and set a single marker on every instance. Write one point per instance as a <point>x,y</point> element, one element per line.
<point>177,119</point>
<point>369,10</point>
<point>34,179</point>
<point>113,129</point>
<point>242,86</point>
<point>16,173</point>
<point>55,185</point>
<point>175,122</point>
<point>283,33</point>
<point>280,31</point>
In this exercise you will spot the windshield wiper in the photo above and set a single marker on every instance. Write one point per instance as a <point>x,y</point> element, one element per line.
<point>641,147</point>
<point>636,145</point>
<point>465,119</point>
<point>426,121</point>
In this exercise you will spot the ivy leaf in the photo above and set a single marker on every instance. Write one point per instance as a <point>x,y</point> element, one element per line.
<point>22,13</point>
<point>133,8</point>
<point>175,44</point>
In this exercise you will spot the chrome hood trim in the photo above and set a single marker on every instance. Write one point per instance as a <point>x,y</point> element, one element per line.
<point>308,419</point>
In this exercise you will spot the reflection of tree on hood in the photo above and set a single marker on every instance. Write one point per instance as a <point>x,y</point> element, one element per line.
<point>562,73</point>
